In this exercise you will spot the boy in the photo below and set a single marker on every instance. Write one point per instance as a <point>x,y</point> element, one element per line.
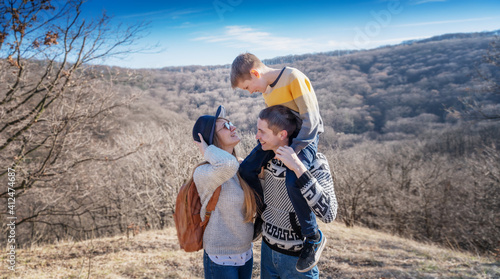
<point>291,88</point>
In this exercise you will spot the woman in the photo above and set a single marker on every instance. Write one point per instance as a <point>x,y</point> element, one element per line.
<point>227,240</point>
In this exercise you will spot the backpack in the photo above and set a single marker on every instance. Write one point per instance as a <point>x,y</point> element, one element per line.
<point>187,217</point>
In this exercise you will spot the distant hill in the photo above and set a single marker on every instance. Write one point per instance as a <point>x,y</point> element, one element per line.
<point>295,58</point>
<point>359,92</point>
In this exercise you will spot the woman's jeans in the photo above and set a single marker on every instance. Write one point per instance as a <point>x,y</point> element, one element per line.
<point>216,271</point>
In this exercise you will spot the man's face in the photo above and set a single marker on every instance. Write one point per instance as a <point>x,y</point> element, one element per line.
<point>266,137</point>
<point>254,84</point>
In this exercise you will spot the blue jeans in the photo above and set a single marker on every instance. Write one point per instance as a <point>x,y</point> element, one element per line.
<point>275,265</point>
<point>251,167</point>
<point>216,271</point>
<point>306,216</point>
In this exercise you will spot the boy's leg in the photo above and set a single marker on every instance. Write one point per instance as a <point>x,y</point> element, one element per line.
<point>250,168</point>
<point>315,241</point>
<point>307,219</point>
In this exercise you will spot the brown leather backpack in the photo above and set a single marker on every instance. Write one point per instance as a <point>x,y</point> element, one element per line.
<point>187,217</point>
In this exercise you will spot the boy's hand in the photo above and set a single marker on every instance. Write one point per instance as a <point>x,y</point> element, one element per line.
<point>201,145</point>
<point>288,156</point>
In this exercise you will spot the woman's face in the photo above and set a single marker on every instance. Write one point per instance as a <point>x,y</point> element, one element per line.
<point>226,133</point>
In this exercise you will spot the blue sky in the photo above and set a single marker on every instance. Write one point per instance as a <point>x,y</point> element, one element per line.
<point>213,32</point>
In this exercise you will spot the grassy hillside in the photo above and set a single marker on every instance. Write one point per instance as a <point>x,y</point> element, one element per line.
<point>350,253</point>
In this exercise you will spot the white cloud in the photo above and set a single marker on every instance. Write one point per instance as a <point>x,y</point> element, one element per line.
<point>419,2</point>
<point>146,14</point>
<point>241,36</point>
<point>447,21</point>
<point>188,24</point>
<point>167,13</point>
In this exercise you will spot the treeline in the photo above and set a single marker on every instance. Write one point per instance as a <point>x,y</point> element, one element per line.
<point>408,155</point>
<point>110,152</point>
<point>442,187</point>
<point>375,90</point>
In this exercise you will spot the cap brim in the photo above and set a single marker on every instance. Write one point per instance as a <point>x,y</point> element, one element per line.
<point>221,112</point>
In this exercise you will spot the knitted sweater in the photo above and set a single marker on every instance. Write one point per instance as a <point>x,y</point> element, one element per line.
<point>280,222</point>
<point>294,90</point>
<point>226,232</point>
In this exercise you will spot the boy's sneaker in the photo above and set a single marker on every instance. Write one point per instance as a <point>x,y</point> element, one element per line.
<point>310,254</point>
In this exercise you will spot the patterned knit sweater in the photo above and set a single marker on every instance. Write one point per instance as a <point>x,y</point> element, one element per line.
<point>226,232</point>
<point>280,222</point>
<point>294,90</point>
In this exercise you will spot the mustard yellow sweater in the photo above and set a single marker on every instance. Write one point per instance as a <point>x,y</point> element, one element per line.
<point>294,90</point>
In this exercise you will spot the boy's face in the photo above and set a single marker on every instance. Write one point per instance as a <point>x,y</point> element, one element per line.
<point>255,84</point>
<point>267,138</point>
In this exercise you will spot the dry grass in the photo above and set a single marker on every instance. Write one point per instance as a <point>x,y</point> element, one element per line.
<point>365,253</point>
<point>350,253</point>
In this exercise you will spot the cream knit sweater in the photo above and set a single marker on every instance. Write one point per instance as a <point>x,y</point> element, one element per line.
<point>226,232</point>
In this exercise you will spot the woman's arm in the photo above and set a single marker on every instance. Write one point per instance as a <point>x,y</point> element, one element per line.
<point>220,168</point>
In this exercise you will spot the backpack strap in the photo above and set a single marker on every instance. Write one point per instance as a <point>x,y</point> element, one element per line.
<point>211,206</point>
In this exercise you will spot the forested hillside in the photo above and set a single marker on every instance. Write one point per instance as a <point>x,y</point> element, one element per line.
<point>404,131</point>
<point>390,89</point>
<point>100,151</point>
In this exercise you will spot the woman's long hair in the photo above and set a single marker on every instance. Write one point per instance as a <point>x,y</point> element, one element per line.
<point>249,206</point>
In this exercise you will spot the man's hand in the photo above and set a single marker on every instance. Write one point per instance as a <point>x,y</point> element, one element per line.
<point>288,156</point>
<point>201,145</point>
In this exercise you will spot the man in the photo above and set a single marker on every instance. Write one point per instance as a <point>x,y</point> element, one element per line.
<point>291,88</point>
<point>282,243</point>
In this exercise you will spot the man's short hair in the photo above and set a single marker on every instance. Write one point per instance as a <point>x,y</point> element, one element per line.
<point>281,118</point>
<point>242,64</point>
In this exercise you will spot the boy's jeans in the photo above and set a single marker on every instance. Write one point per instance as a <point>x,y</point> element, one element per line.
<point>274,264</point>
<point>251,167</point>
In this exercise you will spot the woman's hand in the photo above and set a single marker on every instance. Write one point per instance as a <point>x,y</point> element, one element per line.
<point>288,156</point>
<point>201,145</point>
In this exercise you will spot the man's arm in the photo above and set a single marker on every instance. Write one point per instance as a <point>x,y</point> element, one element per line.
<point>317,188</point>
<point>316,184</point>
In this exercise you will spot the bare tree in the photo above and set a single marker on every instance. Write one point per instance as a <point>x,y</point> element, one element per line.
<point>55,106</point>
<point>354,174</point>
<point>487,73</point>
<point>147,182</point>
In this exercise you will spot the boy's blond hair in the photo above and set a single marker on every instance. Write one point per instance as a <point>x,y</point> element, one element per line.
<point>242,64</point>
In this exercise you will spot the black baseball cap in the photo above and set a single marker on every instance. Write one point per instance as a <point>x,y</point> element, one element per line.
<point>205,125</point>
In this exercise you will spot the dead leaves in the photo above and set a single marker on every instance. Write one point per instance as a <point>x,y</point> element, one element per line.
<point>51,38</point>
<point>13,62</point>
